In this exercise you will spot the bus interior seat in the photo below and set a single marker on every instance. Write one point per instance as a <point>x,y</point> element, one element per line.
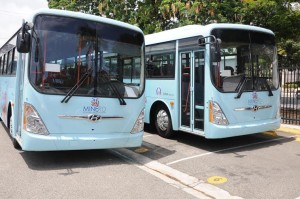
<point>231,83</point>
<point>131,91</point>
<point>229,68</point>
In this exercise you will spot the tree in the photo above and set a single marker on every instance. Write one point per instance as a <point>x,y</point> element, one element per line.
<point>141,13</point>
<point>157,15</point>
<point>63,4</point>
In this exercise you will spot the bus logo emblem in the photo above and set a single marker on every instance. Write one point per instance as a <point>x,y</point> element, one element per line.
<point>95,102</point>
<point>94,107</point>
<point>94,118</point>
<point>255,108</point>
<point>158,91</point>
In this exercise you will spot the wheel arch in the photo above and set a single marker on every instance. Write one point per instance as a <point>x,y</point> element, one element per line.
<point>9,111</point>
<point>154,107</point>
<point>13,133</point>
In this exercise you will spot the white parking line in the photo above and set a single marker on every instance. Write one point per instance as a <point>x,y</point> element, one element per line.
<point>227,149</point>
<point>149,135</point>
<point>185,182</point>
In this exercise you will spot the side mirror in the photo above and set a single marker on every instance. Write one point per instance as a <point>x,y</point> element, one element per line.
<point>24,39</point>
<point>201,41</point>
<point>23,42</point>
<point>214,46</point>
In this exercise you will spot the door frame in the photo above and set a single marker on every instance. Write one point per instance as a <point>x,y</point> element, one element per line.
<point>190,126</point>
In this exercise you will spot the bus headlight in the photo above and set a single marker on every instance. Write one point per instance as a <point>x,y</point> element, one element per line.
<point>32,122</point>
<point>216,114</point>
<point>139,123</point>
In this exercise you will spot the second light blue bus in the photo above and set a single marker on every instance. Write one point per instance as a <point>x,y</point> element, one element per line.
<point>216,81</point>
<point>73,81</point>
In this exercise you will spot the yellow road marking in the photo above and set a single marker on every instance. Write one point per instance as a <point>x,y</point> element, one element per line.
<point>216,180</point>
<point>272,133</point>
<point>289,130</point>
<point>141,150</point>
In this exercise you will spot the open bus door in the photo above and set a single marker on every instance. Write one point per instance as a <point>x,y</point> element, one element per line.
<point>192,91</point>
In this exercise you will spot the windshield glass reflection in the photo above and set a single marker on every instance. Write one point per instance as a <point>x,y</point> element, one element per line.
<point>89,58</point>
<point>248,62</point>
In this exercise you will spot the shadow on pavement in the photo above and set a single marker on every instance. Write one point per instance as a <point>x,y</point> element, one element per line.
<point>55,160</point>
<point>224,145</point>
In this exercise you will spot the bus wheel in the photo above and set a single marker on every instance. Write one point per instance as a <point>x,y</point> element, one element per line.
<point>14,141</point>
<point>163,123</point>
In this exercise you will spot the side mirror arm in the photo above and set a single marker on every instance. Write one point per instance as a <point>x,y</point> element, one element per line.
<point>212,40</point>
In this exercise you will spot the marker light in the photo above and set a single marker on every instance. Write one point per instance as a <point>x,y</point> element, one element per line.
<point>139,123</point>
<point>216,114</point>
<point>32,121</point>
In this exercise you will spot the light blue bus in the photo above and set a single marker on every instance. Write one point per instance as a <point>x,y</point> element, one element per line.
<point>72,81</point>
<point>216,81</point>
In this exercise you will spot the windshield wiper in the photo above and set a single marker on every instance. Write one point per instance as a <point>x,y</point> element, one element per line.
<point>76,86</point>
<point>114,89</point>
<point>241,87</point>
<point>265,83</point>
<point>243,82</point>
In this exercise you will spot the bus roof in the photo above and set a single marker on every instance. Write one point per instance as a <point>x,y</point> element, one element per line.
<point>196,30</point>
<point>80,15</point>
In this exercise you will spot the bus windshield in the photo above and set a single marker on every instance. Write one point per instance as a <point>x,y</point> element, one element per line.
<point>86,58</point>
<point>248,61</point>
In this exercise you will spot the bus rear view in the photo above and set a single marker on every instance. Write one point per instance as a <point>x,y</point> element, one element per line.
<point>80,83</point>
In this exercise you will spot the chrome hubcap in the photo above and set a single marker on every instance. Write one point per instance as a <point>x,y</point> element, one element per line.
<point>162,120</point>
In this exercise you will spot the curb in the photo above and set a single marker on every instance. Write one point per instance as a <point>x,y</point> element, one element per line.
<point>289,129</point>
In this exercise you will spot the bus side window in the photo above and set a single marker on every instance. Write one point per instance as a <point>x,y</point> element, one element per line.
<point>10,62</point>
<point>161,66</point>
<point>156,71</point>
<point>1,65</point>
<point>149,68</point>
<point>9,66</point>
<point>3,68</point>
<point>168,70</point>
<point>14,68</point>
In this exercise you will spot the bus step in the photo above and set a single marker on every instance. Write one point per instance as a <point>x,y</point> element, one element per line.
<point>199,120</point>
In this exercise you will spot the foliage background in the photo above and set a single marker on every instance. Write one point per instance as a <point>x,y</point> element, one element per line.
<point>281,16</point>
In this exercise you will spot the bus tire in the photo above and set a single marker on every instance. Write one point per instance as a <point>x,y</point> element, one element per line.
<point>10,125</point>
<point>163,122</point>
